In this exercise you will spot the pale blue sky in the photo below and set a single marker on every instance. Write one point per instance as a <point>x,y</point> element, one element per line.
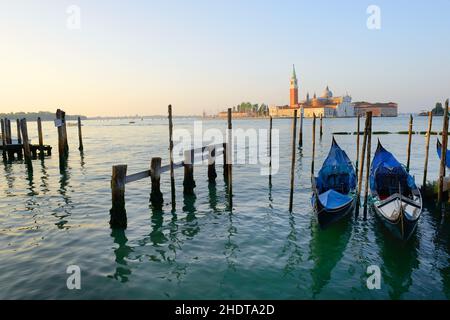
<point>136,57</point>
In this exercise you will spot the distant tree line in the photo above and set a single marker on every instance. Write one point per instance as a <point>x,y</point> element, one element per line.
<point>261,110</point>
<point>31,116</point>
<point>438,110</point>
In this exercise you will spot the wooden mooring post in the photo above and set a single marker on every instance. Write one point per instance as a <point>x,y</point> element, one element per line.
<point>212,174</point>
<point>63,146</point>
<point>41,139</point>
<point>26,140</point>
<point>229,151</point>
<point>156,197</point>
<point>3,140</point>
<point>443,154</point>
<point>361,164</point>
<point>357,142</point>
<point>19,135</point>
<point>8,131</point>
<point>189,182</point>
<point>321,126</point>
<point>409,142</point>
<point>294,136</point>
<point>118,212</point>
<point>270,150</point>
<point>369,141</point>
<point>427,150</point>
<point>80,136</point>
<point>172,174</point>
<point>300,131</point>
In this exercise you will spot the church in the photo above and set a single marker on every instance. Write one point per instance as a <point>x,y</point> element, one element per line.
<point>326,105</point>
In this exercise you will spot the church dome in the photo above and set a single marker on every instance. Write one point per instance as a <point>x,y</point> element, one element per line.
<point>327,93</point>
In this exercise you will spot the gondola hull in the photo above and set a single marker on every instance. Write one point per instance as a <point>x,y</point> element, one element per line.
<point>326,217</point>
<point>403,226</point>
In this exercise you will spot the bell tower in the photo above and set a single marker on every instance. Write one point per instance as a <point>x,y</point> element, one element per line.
<point>293,89</point>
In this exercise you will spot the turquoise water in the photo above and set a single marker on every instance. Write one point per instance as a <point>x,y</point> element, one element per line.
<point>51,219</point>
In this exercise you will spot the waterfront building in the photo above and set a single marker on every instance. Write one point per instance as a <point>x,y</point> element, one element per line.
<point>326,105</point>
<point>389,109</point>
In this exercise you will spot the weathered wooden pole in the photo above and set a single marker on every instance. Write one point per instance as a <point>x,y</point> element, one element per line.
<point>321,126</point>
<point>361,163</point>
<point>172,174</point>
<point>409,142</point>
<point>156,197</point>
<point>63,147</point>
<point>80,136</point>
<point>189,182</point>
<point>41,139</point>
<point>26,141</point>
<point>19,135</point>
<point>313,145</point>
<point>8,131</point>
<point>300,131</point>
<point>294,136</point>
<point>118,213</point>
<point>270,150</point>
<point>369,140</point>
<point>443,153</point>
<point>427,149</point>
<point>230,159</point>
<point>357,143</point>
<point>212,174</point>
<point>3,139</point>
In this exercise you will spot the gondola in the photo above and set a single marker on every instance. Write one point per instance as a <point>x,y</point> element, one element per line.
<point>395,197</point>
<point>334,188</point>
<point>439,152</point>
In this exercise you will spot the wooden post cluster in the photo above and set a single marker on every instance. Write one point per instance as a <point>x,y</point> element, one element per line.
<point>409,142</point>
<point>80,136</point>
<point>427,149</point>
<point>118,212</point>
<point>369,140</point>
<point>443,153</point>
<point>293,150</point>
<point>156,197</point>
<point>63,146</point>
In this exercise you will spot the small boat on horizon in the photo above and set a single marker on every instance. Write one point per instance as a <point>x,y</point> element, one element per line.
<point>396,199</point>
<point>334,195</point>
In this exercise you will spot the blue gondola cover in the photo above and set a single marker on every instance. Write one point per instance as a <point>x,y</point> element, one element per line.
<point>337,172</point>
<point>332,199</point>
<point>439,152</point>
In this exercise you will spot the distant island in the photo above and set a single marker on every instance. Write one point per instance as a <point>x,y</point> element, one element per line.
<point>438,110</point>
<point>44,115</point>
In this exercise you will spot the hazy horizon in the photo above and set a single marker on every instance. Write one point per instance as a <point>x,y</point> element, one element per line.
<point>132,58</point>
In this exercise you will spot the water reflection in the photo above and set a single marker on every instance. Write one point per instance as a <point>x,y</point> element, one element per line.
<point>326,250</point>
<point>191,228</point>
<point>399,260</point>
<point>66,208</point>
<point>121,253</point>
<point>10,179</point>
<point>44,178</point>
<point>291,246</point>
